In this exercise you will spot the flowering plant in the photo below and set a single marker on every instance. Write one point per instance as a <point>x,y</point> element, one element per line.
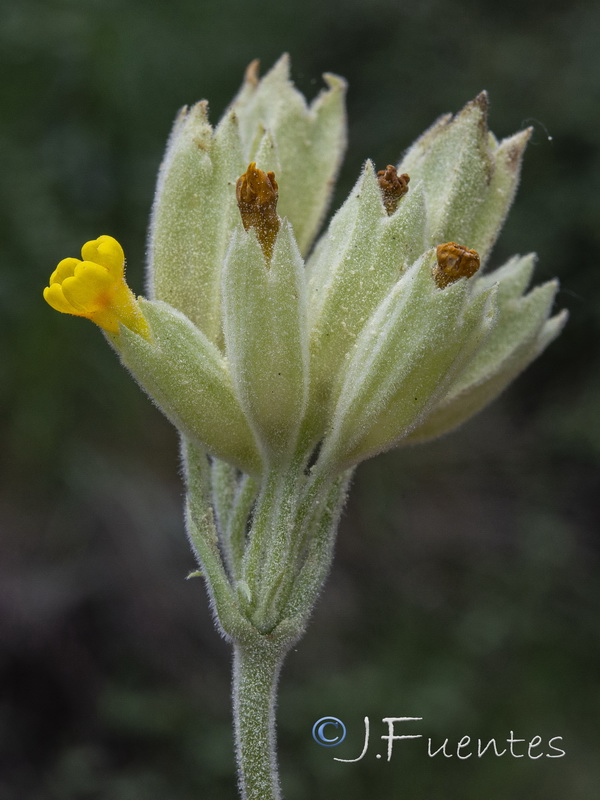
<point>283,365</point>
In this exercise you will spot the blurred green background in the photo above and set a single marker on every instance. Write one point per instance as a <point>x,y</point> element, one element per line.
<point>465,588</point>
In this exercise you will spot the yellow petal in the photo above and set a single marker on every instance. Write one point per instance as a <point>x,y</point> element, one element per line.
<point>54,296</point>
<point>65,269</point>
<point>106,319</point>
<point>90,289</point>
<point>105,251</point>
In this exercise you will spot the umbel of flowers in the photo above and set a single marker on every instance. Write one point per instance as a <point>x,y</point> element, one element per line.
<point>283,363</point>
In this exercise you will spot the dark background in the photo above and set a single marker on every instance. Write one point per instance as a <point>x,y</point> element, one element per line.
<point>465,589</point>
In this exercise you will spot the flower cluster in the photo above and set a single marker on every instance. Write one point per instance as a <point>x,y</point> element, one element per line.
<point>263,348</point>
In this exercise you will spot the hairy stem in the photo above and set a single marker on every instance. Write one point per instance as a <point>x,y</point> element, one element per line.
<point>255,675</point>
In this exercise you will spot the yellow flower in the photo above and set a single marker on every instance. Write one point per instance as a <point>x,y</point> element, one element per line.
<point>95,288</point>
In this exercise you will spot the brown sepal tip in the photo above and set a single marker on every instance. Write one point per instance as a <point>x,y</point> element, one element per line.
<point>454,261</point>
<point>393,187</point>
<point>257,193</point>
<point>252,74</point>
<point>482,100</point>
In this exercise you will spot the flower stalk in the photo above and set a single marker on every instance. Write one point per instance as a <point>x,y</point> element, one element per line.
<point>282,371</point>
<point>255,678</point>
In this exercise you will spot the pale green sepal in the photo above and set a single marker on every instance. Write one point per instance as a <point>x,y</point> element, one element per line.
<point>511,278</point>
<point>454,162</point>
<point>413,158</point>
<point>224,482</point>
<point>521,333</point>
<point>203,537</point>
<point>258,99</point>
<point>364,253</point>
<point>404,234</point>
<point>310,151</point>
<point>234,536</point>
<point>266,337</point>
<point>193,215</point>
<point>473,399</point>
<point>244,592</point>
<point>497,200</point>
<point>353,285</point>
<point>329,249</point>
<point>405,349</point>
<point>519,322</point>
<point>317,552</point>
<point>470,179</point>
<point>187,377</point>
<point>267,156</point>
<point>420,393</point>
<point>310,142</point>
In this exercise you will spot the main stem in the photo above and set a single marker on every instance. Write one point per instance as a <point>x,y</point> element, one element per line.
<point>255,675</point>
